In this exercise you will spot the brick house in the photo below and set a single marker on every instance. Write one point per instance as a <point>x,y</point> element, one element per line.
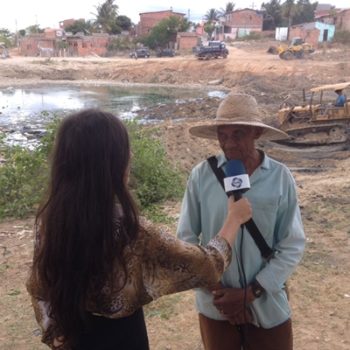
<point>242,22</point>
<point>186,40</point>
<point>38,45</point>
<point>58,44</point>
<point>339,17</point>
<point>313,33</point>
<point>81,45</point>
<point>148,20</point>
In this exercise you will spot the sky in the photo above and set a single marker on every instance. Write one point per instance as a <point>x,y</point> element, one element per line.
<point>20,14</point>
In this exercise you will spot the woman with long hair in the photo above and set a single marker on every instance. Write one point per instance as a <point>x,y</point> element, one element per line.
<point>95,262</point>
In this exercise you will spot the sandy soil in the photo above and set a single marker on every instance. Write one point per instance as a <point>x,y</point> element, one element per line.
<point>320,287</point>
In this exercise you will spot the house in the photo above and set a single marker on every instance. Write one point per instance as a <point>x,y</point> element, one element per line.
<point>242,22</point>
<point>313,33</point>
<point>339,17</point>
<point>41,44</point>
<point>148,20</point>
<point>186,40</point>
<point>55,42</point>
<point>86,45</point>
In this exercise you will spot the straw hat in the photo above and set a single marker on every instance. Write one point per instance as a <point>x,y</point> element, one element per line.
<point>237,109</point>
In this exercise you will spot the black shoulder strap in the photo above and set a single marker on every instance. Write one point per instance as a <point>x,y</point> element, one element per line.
<point>266,252</point>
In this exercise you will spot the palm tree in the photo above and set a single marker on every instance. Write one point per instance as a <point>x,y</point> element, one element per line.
<point>212,15</point>
<point>230,6</point>
<point>106,17</point>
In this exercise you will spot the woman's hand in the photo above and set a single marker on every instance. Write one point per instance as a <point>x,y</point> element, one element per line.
<point>241,211</point>
<point>238,213</point>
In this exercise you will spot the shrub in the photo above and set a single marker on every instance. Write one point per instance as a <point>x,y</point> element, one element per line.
<point>152,175</point>
<point>21,181</point>
<point>24,174</point>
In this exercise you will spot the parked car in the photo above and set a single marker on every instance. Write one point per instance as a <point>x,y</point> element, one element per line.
<point>165,53</point>
<point>143,53</point>
<point>213,50</point>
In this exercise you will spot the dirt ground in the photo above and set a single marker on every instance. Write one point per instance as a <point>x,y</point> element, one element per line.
<point>320,287</point>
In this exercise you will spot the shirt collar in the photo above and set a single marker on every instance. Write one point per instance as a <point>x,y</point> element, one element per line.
<point>265,164</point>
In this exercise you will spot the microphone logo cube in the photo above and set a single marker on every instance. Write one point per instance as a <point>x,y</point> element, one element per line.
<point>236,182</point>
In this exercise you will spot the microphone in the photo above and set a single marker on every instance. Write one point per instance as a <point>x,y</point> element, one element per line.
<point>236,181</point>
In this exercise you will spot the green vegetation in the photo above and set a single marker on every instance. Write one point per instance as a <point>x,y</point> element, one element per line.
<point>5,37</point>
<point>24,173</point>
<point>152,175</point>
<point>165,32</point>
<point>250,36</point>
<point>120,44</point>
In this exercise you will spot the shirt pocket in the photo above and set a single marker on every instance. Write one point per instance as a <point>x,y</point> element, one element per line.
<point>264,216</point>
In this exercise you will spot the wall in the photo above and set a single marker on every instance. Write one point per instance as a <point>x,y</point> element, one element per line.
<point>310,35</point>
<point>343,20</point>
<point>37,45</point>
<point>88,45</point>
<point>281,33</point>
<point>246,18</point>
<point>325,27</point>
<point>186,41</point>
<point>148,20</point>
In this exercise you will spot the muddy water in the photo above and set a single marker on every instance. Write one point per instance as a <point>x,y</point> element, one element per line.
<point>24,112</point>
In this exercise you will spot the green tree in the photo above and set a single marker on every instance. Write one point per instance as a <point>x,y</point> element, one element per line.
<point>273,12</point>
<point>289,11</point>
<point>34,29</point>
<point>5,37</point>
<point>165,32</point>
<point>106,17</point>
<point>209,28</point>
<point>124,22</point>
<point>305,12</point>
<point>80,26</point>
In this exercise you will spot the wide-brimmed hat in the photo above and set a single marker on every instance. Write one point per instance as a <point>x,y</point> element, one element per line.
<point>237,109</point>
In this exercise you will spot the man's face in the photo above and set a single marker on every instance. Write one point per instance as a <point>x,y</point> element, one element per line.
<point>238,141</point>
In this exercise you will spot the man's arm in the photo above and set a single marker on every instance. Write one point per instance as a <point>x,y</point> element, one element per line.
<point>189,226</point>
<point>290,242</point>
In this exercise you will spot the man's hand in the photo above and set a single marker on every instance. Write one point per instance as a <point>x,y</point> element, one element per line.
<point>230,303</point>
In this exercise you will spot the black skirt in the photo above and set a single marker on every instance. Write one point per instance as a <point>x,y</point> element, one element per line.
<point>128,333</point>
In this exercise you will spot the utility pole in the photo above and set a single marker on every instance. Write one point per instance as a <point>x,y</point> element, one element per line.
<point>16,34</point>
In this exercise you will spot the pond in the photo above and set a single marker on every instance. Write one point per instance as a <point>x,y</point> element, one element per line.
<point>24,112</point>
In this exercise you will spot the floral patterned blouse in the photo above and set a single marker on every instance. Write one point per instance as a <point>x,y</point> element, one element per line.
<point>157,264</point>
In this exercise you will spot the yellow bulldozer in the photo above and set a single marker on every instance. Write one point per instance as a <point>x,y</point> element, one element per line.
<point>297,48</point>
<point>317,121</point>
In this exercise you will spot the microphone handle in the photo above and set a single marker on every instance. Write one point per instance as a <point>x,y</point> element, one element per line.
<point>237,195</point>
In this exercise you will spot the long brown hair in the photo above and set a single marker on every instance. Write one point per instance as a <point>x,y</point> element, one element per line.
<point>78,245</point>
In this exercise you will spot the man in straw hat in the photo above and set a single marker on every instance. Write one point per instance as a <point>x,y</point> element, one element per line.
<point>249,309</point>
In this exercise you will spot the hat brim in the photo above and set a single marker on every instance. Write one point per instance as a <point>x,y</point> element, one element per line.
<point>209,130</point>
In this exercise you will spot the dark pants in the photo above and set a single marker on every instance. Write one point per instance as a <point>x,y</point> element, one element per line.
<point>222,335</point>
<point>127,333</point>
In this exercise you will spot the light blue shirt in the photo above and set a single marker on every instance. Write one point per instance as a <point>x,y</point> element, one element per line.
<point>276,213</point>
<point>340,102</point>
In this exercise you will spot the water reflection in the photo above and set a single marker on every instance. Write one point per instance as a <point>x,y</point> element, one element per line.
<point>31,108</point>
